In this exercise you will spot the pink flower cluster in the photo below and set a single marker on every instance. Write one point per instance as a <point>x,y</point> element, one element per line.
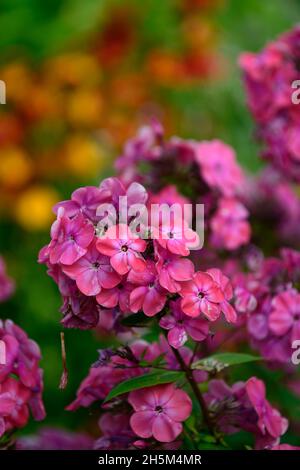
<point>204,172</point>
<point>244,406</point>
<point>21,382</point>
<point>7,285</point>
<point>166,308</point>
<point>268,77</point>
<point>270,300</point>
<point>118,269</point>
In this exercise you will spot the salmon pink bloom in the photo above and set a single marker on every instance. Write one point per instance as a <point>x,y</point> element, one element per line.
<point>14,411</point>
<point>70,238</point>
<point>181,326</point>
<point>159,412</point>
<point>123,248</point>
<point>219,167</point>
<point>201,295</point>
<point>230,228</point>
<point>84,200</point>
<point>285,316</point>
<point>92,272</point>
<point>149,296</point>
<point>118,295</point>
<point>176,236</point>
<point>172,270</point>
<point>270,420</point>
<point>226,287</point>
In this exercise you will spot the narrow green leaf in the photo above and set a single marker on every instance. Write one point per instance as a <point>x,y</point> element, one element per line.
<point>218,362</point>
<point>142,381</point>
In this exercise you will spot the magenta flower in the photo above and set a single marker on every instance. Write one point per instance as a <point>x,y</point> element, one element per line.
<point>123,248</point>
<point>229,225</point>
<point>180,326</point>
<point>84,200</point>
<point>226,287</point>
<point>176,236</point>
<point>173,270</point>
<point>269,419</point>
<point>159,412</point>
<point>14,399</point>
<point>201,295</point>
<point>268,77</point>
<point>219,167</point>
<point>285,316</point>
<point>70,238</point>
<point>93,272</point>
<point>149,296</point>
<point>119,295</point>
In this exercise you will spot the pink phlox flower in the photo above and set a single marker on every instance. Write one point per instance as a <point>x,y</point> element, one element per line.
<point>70,238</point>
<point>176,236</point>
<point>285,316</point>
<point>202,295</point>
<point>123,248</point>
<point>84,200</point>
<point>269,419</point>
<point>93,272</point>
<point>172,270</point>
<point>159,412</point>
<point>229,225</point>
<point>219,167</point>
<point>226,287</point>
<point>149,296</point>
<point>180,326</point>
<point>117,296</point>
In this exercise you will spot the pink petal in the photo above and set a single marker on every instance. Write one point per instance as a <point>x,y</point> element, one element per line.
<point>177,337</point>
<point>179,407</point>
<point>181,270</point>
<point>88,283</point>
<point>119,262</point>
<point>165,429</point>
<point>280,321</point>
<point>108,298</point>
<point>136,298</point>
<point>229,312</point>
<point>190,305</point>
<point>210,310</point>
<point>141,423</point>
<point>154,302</point>
<point>108,246</point>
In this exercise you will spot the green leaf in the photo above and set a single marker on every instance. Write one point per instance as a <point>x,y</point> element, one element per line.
<point>218,362</point>
<point>147,380</point>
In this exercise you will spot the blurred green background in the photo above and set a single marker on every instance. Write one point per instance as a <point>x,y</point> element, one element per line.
<point>123,56</point>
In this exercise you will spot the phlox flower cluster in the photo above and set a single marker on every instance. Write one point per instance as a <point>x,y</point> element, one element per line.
<point>21,379</point>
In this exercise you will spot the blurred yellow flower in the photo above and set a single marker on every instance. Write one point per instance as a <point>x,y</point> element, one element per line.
<point>19,82</point>
<point>16,168</point>
<point>84,107</point>
<point>73,69</point>
<point>82,156</point>
<point>33,209</point>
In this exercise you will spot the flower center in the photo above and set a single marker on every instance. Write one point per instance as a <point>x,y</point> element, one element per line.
<point>124,248</point>
<point>96,265</point>
<point>159,409</point>
<point>200,295</point>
